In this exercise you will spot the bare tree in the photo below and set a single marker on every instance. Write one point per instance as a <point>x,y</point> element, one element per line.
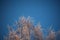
<point>38,32</point>
<point>51,34</point>
<point>25,28</point>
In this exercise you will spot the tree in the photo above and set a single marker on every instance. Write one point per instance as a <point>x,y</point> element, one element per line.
<point>25,29</point>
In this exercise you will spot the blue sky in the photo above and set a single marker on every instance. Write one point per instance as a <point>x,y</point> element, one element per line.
<point>45,12</point>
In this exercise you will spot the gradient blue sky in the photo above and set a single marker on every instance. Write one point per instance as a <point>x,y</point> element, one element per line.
<point>46,12</point>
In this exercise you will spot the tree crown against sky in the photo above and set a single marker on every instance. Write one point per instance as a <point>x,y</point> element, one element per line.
<point>26,30</point>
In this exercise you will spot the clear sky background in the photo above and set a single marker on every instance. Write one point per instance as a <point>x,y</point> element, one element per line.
<point>47,12</point>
